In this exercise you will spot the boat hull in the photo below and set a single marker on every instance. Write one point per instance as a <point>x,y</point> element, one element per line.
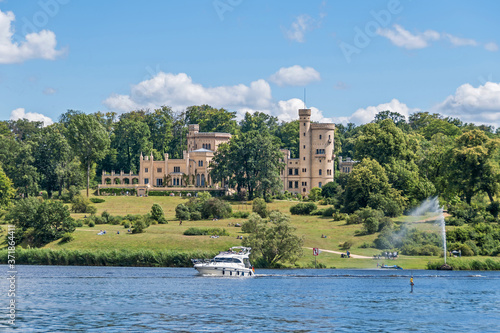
<point>224,271</point>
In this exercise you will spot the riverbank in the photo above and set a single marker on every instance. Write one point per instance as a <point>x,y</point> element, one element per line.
<point>166,245</point>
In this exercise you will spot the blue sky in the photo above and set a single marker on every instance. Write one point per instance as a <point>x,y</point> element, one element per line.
<point>355,58</point>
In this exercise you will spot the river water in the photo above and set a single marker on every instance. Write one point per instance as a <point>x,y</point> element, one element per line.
<point>121,299</point>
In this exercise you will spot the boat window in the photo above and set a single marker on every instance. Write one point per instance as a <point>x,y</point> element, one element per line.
<point>232,260</point>
<point>247,263</point>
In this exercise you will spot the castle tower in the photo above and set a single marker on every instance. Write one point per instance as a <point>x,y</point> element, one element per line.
<point>305,150</point>
<point>193,129</point>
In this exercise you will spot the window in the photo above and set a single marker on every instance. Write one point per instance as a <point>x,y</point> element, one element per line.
<point>320,172</point>
<point>158,170</point>
<point>290,171</point>
<point>296,172</point>
<point>304,133</point>
<point>304,124</point>
<point>296,184</point>
<point>319,184</point>
<point>304,170</point>
<point>304,183</point>
<point>200,163</point>
<point>320,151</point>
<point>320,136</point>
<point>304,158</point>
<point>146,170</point>
<point>177,169</point>
<point>328,172</point>
<point>146,181</point>
<point>290,184</point>
<point>304,146</point>
<point>304,189</point>
<point>159,182</point>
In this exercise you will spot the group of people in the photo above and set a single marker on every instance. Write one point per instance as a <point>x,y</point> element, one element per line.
<point>101,232</point>
<point>324,236</point>
<point>347,254</point>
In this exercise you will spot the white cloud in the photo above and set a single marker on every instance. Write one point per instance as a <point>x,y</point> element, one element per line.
<point>366,115</point>
<point>41,45</point>
<point>21,113</point>
<point>401,37</point>
<point>299,27</point>
<point>491,47</point>
<point>49,91</point>
<point>295,76</point>
<point>288,111</point>
<point>179,91</point>
<point>471,104</point>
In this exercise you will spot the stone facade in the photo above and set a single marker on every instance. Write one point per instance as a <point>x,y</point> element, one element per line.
<point>345,166</point>
<point>314,167</point>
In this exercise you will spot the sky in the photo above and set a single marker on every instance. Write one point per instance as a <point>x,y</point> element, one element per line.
<point>351,59</point>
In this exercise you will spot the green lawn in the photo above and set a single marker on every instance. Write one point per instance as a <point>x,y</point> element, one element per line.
<point>170,236</point>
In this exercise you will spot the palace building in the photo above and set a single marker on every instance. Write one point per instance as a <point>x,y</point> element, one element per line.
<point>313,168</point>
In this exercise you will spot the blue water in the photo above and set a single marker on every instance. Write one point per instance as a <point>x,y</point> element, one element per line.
<point>119,299</point>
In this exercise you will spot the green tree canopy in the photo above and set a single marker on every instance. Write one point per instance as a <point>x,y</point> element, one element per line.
<point>273,241</point>
<point>88,139</point>
<point>6,190</point>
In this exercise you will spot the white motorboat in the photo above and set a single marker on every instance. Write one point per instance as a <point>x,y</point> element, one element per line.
<point>232,263</point>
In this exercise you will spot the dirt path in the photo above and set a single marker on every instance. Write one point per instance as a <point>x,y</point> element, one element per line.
<point>355,256</point>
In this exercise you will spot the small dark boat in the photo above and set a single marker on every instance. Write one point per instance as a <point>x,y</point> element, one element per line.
<point>391,267</point>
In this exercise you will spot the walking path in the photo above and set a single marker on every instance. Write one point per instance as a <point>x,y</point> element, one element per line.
<point>356,256</point>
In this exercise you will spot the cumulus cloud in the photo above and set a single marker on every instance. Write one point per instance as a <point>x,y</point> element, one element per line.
<point>41,45</point>
<point>21,113</point>
<point>401,37</point>
<point>300,26</point>
<point>471,104</point>
<point>179,91</point>
<point>295,76</point>
<point>366,115</point>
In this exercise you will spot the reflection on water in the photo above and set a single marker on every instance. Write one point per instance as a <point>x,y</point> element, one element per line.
<point>117,299</point>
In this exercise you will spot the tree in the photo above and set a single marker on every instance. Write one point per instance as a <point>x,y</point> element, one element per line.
<point>369,178</point>
<point>40,221</point>
<point>329,190</point>
<point>289,134</point>
<point>157,214</point>
<point>89,140</point>
<point>274,240</point>
<point>160,123</point>
<point>259,121</point>
<point>6,190</point>
<point>473,165</point>
<point>211,119</point>
<point>130,139</point>
<point>250,161</point>
<point>259,207</point>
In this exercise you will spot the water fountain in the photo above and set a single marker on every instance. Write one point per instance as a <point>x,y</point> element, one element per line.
<point>431,206</point>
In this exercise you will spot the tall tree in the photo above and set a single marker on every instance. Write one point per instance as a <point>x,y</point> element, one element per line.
<point>259,121</point>
<point>160,123</point>
<point>211,119</point>
<point>89,140</point>
<point>250,161</point>
<point>131,137</point>
<point>289,134</point>
<point>6,190</point>
<point>473,165</point>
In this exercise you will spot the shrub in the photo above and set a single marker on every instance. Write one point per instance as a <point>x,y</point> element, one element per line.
<point>494,208</point>
<point>303,208</point>
<point>79,223</point>
<point>91,224</point>
<point>82,205</point>
<point>346,245</point>
<point>182,212</point>
<point>365,245</point>
<point>337,216</point>
<point>453,220</point>
<point>259,206</point>
<point>126,224</point>
<point>206,231</point>
<point>216,208</point>
<point>317,212</point>
<point>139,227</point>
<point>105,216</point>
<point>328,212</point>
<point>195,216</point>
<point>353,219</point>
<point>97,200</point>
<point>157,212</point>
<point>241,215</point>
<point>67,237</point>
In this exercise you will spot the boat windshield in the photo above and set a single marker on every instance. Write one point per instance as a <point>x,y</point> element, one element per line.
<point>247,263</point>
<point>232,260</point>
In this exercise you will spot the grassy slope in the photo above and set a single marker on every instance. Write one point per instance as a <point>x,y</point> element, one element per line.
<point>170,236</point>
